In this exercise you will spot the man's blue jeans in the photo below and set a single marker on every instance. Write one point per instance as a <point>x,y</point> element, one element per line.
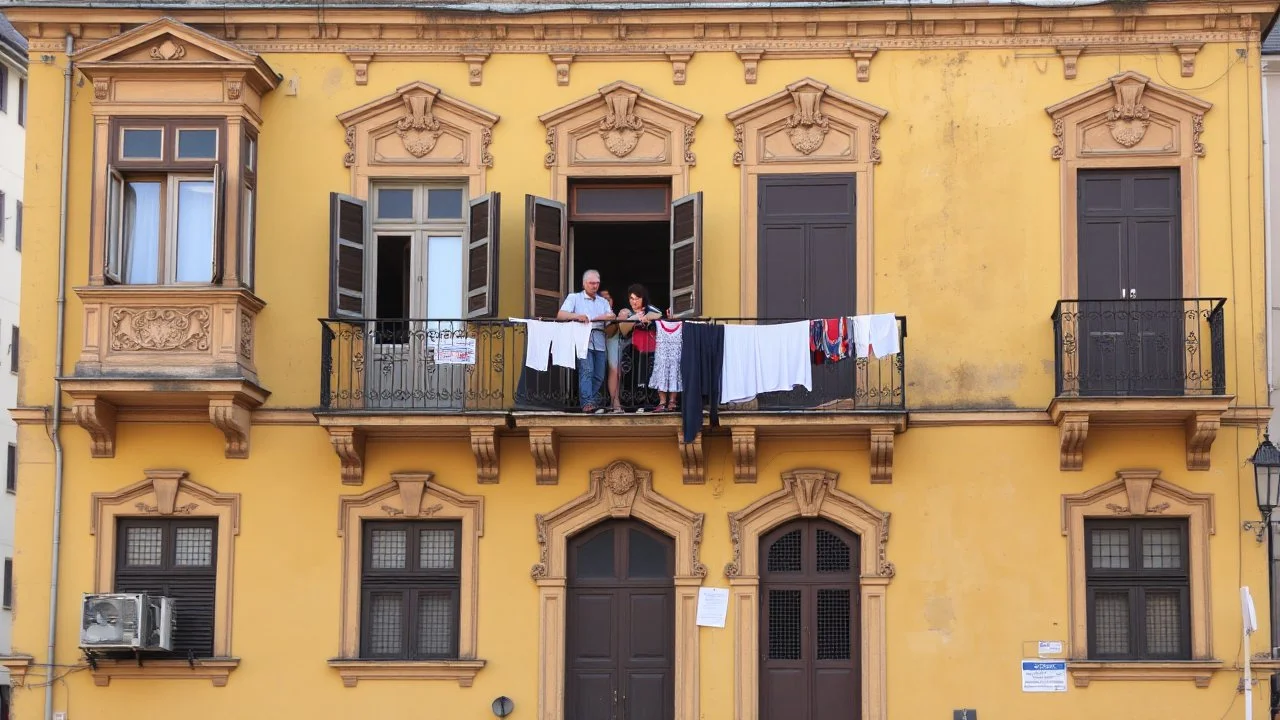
<point>591,378</point>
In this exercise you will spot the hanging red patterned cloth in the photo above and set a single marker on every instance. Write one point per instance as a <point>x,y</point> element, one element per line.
<point>829,340</point>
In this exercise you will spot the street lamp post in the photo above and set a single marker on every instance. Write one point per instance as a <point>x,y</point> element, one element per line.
<point>1266,479</point>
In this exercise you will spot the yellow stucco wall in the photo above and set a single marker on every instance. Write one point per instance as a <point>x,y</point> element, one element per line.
<point>966,244</point>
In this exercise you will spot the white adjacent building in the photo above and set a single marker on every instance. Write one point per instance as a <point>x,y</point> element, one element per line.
<point>13,142</point>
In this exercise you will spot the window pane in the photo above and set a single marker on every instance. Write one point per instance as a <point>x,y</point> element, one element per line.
<point>142,232</point>
<point>247,210</point>
<point>435,624</point>
<point>193,547</point>
<point>195,231</point>
<point>250,153</point>
<point>144,546</point>
<point>646,556</point>
<point>435,549</point>
<point>1162,549</point>
<point>784,553</point>
<point>386,626</point>
<point>142,144</point>
<point>623,201</point>
<point>595,557</point>
<point>1164,623</point>
<point>444,277</point>
<point>1110,549</point>
<point>444,203</point>
<point>1111,623</point>
<point>197,144</point>
<point>395,204</point>
<point>388,549</point>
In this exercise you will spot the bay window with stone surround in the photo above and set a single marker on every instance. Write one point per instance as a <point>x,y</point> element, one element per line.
<point>169,306</point>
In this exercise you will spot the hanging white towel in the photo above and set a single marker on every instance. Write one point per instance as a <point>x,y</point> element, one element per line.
<point>764,358</point>
<point>739,379</point>
<point>565,342</point>
<point>875,335</point>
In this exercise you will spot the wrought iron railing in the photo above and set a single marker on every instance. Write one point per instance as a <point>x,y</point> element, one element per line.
<point>1108,348</point>
<point>397,365</point>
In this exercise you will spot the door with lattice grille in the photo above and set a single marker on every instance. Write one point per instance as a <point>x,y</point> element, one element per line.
<point>809,630</point>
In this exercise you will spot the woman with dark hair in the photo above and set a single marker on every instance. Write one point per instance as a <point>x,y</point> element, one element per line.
<point>636,326</point>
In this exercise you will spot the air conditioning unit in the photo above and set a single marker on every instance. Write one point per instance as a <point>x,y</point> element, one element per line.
<point>126,621</point>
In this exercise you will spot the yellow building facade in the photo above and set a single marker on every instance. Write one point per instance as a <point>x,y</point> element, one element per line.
<point>292,392</point>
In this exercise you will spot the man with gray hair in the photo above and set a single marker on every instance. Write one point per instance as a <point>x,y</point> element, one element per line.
<point>588,307</point>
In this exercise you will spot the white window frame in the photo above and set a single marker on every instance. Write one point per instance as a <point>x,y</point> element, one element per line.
<point>420,231</point>
<point>117,253</point>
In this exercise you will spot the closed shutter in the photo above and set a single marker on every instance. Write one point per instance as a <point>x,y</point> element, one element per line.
<point>546,239</point>
<point>482,256</point>
<point>686,255</point>
<point>177,559</point>
<point>347,233</point>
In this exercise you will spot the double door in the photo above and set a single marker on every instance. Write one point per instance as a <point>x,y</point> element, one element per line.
<point>1130,316</point>
<point>620,640</point>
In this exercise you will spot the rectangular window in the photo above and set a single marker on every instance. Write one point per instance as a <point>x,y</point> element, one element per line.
<point>418,264</point>
<point>164,203</point>
<point>11,469</point>
<point>4,88</point>
<point>17,226</point>
<point>174,558</point>
<point>1138,587</point>
<point>13,350</point>
<point>409,585</point>
<point>7,600</point>
<point>248,206</point>
<point>22,102</point>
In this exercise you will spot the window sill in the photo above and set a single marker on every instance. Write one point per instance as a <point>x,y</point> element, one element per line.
<point>1201,671</point>
<point>18,666</point>
<point>353,671</point>
<point>215,670</point>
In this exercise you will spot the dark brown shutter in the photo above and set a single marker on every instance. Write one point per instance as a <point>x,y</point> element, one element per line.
<point>482,256</point>
<point>193,586</point>
<point>219,212</point>
<point>546,239</point>
<point>686,255</point>
<point>346,255</point>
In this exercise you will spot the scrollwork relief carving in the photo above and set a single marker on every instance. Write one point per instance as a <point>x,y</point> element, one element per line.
<point>418,129</point>
<point>739,139</point>
<point>349,158</point>
<point>1129,118</point>
<point>168,50</point>
<point>621,128</point>
<point>550,159</point>
<point>689,157</point>
<point>807,127</point>
<point>234,89</point>
<point>186,509</point>
<point>101,89</point>
<point>160,329</point>
<point>1197,129</point>
<point>486,137</point>
<point>246,336</point>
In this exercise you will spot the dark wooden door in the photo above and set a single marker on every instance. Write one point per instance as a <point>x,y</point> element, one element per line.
<point>807,266</point>
<point>1130,282</point>
<point>810,642</point>
<point>620,639</point>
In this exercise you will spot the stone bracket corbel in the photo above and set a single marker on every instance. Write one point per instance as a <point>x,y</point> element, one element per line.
<point>1202,429</point>
<point>750,65</point>
<point>694,469</point>
<point>1187,57</point>
<point>562,62</point>
<point>484,444</point>
<point>233,418</point>
<point>1070,58</point>
<point>348,443</point>
<point>98,418</point>
<point>360,61</point>
<point>882,454</point>
<point>475,67</point>
<point>679,66</point>
<point>862,59</point>
<point>1073,429</point>
<point>744,454</point>
<point>544,446</point>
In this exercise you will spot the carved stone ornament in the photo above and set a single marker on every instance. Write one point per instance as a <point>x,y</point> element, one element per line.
<point>234,89</point>
<point>1129,118</point>
<point>807,125</point>
<point>160,329</point>
<point>168,50</point>
<point>101,89</point>
<point>349,158</point>
<point>418,129</point>
<point>246,336</point>
<point>621,128</point>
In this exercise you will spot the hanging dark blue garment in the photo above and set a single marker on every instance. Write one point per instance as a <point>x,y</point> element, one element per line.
<point>701,365</point>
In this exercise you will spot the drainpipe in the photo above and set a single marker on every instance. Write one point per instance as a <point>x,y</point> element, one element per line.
<point>55,431</point>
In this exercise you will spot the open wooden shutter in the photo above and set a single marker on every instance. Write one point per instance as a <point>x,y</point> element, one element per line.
<point>219,212</point>
<point>482,256</point>
<point>546,242</point>
<point>112,265</point>
<point>346,256</point>
<point>686,255</point>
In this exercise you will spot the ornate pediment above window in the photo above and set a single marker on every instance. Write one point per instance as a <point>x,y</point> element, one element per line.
<point>417,129</point>
<point>165,65</point>
<point>1128,116</point>
<point>807,122</point>
<point>621,130</point>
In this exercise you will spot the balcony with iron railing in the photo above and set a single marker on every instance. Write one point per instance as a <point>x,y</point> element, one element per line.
<point>469,378</point>
<point>1142,363</point>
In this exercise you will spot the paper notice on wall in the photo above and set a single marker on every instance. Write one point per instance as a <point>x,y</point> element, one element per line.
<point>713,606</point>
<point>1039,676</point>
<point>1049,648</point>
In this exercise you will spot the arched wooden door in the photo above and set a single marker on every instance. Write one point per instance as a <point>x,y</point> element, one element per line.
<point>620,624</point>
<point>809,623</point>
